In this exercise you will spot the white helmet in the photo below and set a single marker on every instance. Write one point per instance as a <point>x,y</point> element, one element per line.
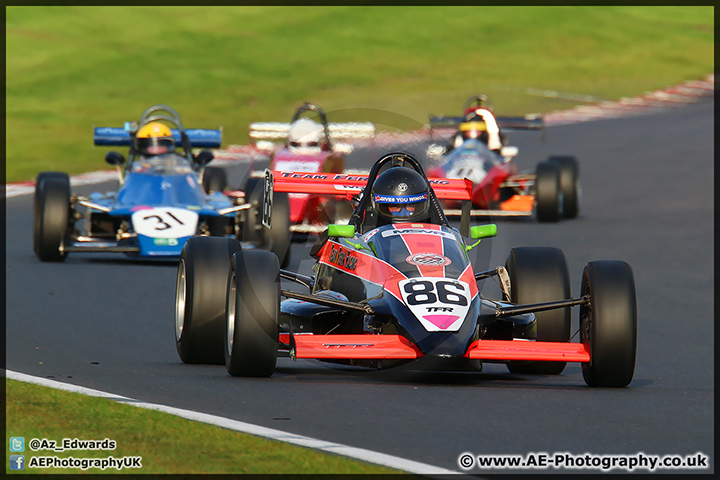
<point>304,137</point>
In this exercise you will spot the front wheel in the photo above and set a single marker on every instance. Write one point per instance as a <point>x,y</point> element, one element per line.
<point>540,274</point>
<point>52,214</point>
<point>608,326</point>
<point>253,307</point>
<point>278,238</point>
<point>200,298</point>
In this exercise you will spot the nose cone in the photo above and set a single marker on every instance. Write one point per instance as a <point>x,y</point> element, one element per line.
<point>439,342</point>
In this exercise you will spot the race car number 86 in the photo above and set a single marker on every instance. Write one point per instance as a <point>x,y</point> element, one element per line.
<point>424,291</point>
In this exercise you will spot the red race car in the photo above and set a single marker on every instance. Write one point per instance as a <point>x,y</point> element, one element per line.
<point>478,151</point>
<point>310,147</point>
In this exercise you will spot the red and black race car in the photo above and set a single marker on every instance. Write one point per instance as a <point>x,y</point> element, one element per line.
<point>309,147</point>
<point>478,151</point>
<point>386,294</point>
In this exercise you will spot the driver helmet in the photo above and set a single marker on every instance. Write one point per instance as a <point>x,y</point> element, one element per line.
<point>155,138</point>
<point>400,194</point>
<point>304,137</point>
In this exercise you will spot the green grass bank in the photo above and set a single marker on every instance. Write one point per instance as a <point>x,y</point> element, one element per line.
<point>72,68</point>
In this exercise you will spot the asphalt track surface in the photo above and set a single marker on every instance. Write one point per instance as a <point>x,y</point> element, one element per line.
<point>104,321</point>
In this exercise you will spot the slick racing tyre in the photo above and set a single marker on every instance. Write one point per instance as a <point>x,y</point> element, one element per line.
<point>569,184</point>
<point>214,179</point>
<point>253,307</point>
<point>547,192</point>
<point>608,326</point>
<point>200,298</point>
<point>540,274</point>
<point>278,238</point>
<point>251,231</point>
<point>51,211</point>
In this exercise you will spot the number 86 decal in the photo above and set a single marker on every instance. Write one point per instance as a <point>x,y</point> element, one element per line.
<point>441,291</point>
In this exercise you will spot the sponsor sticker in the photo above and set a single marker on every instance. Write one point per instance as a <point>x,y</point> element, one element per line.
<point>343,258</point>
<point>370,235</point>
<point>416,231</point>
<point>400,198</point>
<point>428,260</point>
<point>170,242</point>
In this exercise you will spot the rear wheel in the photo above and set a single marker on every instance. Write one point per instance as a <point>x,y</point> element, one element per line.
<point>253,307</point>
<point>214,179</point>
<point>51,211</point>
<point>200,298</point>
<point>547,192</point>
<point>569,184</point>
<point>608,326</point>
<point>540,274</point>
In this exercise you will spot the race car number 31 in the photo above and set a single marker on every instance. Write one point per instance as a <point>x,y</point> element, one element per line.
<point>165,222</point>
<point>440,304</point>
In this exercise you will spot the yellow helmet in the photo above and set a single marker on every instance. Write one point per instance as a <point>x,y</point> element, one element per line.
<point>473,129</point>
<point>155,138</point>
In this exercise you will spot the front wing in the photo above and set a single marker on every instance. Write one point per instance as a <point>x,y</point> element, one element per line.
<point>377,347</point>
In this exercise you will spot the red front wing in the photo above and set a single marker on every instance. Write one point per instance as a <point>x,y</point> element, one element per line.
<point>376,347</point>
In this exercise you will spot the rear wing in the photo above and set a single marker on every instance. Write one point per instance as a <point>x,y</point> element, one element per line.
<point>279,131</point>
<point>527,122</point>
<point>344,183</point>
<point>120,137</point>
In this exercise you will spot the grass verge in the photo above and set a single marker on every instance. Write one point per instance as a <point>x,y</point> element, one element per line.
<point>167,444</point>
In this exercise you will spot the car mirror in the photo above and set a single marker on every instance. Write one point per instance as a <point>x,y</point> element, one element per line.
<point>345,231</point>
<point>203,158</point>
<point>479,232</point>
<point>508,152</point>
<point>483,231</point>
<point>114,158</point>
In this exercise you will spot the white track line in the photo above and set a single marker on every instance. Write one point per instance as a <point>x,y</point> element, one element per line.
<point>369,456</point>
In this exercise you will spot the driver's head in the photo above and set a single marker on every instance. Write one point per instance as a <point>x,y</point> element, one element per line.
<point>304,137</point>
<point>473,127</point>
<point>401,194</point>
<point>155,138</point>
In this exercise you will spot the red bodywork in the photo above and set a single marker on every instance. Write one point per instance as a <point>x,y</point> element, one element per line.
<point>487,194</point>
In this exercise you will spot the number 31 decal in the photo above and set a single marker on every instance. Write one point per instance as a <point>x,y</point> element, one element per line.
<point>165,222</point>
<point>440,304</point>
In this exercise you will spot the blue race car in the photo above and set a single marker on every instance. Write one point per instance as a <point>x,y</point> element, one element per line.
<point>165,196</point>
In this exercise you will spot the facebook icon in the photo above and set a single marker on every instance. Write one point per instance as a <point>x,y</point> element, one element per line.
<point>17,462</point>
